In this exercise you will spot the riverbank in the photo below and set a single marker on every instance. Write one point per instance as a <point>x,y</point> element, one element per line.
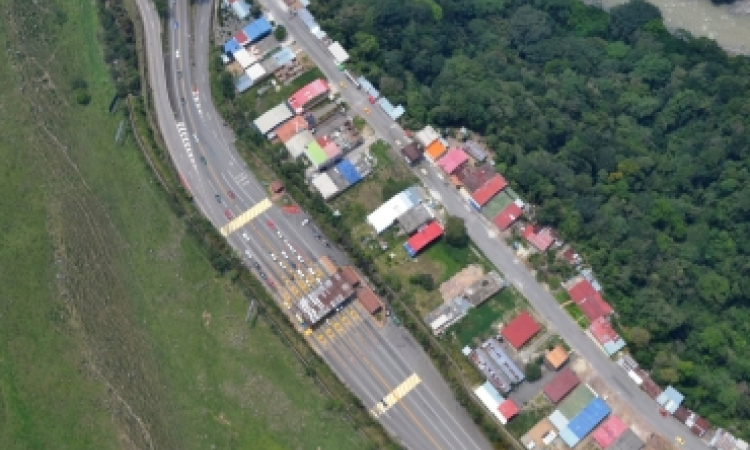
<point>728,25</point>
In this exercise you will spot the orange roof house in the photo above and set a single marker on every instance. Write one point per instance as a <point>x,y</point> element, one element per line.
<point>435,150</point>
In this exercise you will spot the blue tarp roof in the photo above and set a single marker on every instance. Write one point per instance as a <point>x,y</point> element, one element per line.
<point>284,56</point>
<point>257,29</point>
<point>589,418</point>
<point>348,171</point>
<point>243,83</point>
<point>231,47</point>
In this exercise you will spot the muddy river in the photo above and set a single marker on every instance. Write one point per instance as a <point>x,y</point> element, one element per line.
<point>728,25</point>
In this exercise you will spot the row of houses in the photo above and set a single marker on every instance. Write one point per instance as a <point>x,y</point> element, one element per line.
<point>670,401</point>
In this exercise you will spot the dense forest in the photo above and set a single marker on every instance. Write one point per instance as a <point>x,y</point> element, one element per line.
<point>633,142</point>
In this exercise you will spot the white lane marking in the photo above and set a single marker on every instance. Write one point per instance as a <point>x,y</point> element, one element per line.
<point>182,130</point>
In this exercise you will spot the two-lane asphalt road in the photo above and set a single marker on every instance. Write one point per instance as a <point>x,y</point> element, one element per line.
<point>485,238</point>
<point>420,410</point>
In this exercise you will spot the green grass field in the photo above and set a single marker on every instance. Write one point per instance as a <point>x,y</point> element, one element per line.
<point>477,325</point>
<point>114,330</point>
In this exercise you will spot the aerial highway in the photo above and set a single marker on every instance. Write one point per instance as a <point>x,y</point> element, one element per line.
<point>381,364</point>
<point>486,238</point>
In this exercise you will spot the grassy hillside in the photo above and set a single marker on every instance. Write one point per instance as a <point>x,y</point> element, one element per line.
<point>114,330</point>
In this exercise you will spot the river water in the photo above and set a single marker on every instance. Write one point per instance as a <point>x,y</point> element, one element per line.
<point>728,25</point>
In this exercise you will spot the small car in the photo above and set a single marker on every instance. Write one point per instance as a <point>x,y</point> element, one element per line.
<point>248,254</point>
<point>231,195</point>
<point>245,236</point>
<point>228,214</point>
<point>218,198</point>
<point>273,257</point>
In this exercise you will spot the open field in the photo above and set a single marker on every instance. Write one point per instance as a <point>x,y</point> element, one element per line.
<point>114,330</point>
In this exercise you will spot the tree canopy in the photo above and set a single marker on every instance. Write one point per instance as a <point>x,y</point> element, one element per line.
<point>634,143</point>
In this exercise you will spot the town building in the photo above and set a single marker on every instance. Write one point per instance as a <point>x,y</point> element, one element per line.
<point>502,360</point>
<point>481,290</point>
<point>411,152</point>
<point>452,160</point>
<point>447,314</point>
<point>273,118</point>
<point>240,8</point>
<point>586,295</point>
<point>257,30</point>
<point>243,83</point>
<point>628,440</point>
<point>412,220</point>
<point>491,371</point>
<point>502,409</point>
<point>670,399</point>
<point>257,72</point>
<point>340,56</point>
<point>387,213</point>
<point>601,329</point>
<point>609,431</point>
<point>435,150</point>
<point>422,238</point>
<point>394,112</point>
<point>474,150</point>
<point>580,425</point>
<point>520,330</point>
<point>298,143</point>
<point>540,237</point>
<point>291,128</point>
<point>426,136</point>
<point>309,95</point>
<point>244,58</point>
<point>561,385</point>
<point>508,215</point>
<point>556,358</point>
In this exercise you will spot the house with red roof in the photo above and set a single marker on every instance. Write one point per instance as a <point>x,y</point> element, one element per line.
<point>508,409</point>
<point>423,238</point>
<point>561,385</point>
<point>309,95</point>
<point>488,190</point>
<point>520,330</point>
<point>508,215</point>
<point>609,431</point>
<point>540,238</point>
<point>452,160</point>
<point>589,299</point>
<point>607,337</point>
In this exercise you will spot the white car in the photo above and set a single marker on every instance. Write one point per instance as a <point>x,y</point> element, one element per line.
<point>281,264</point>
<point>245,236</point>
<point>273,257</point>
<point>318,280</point>
<point>195,136</point>
<point>283,253</point>
<point>301,274</point>
<point>248,254</point>
<point>278,233</point>
<point>305,222</point>
<point>291,247</point>
<point>299,258</point>
<point>177,54</point>
<point>310,269</point>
